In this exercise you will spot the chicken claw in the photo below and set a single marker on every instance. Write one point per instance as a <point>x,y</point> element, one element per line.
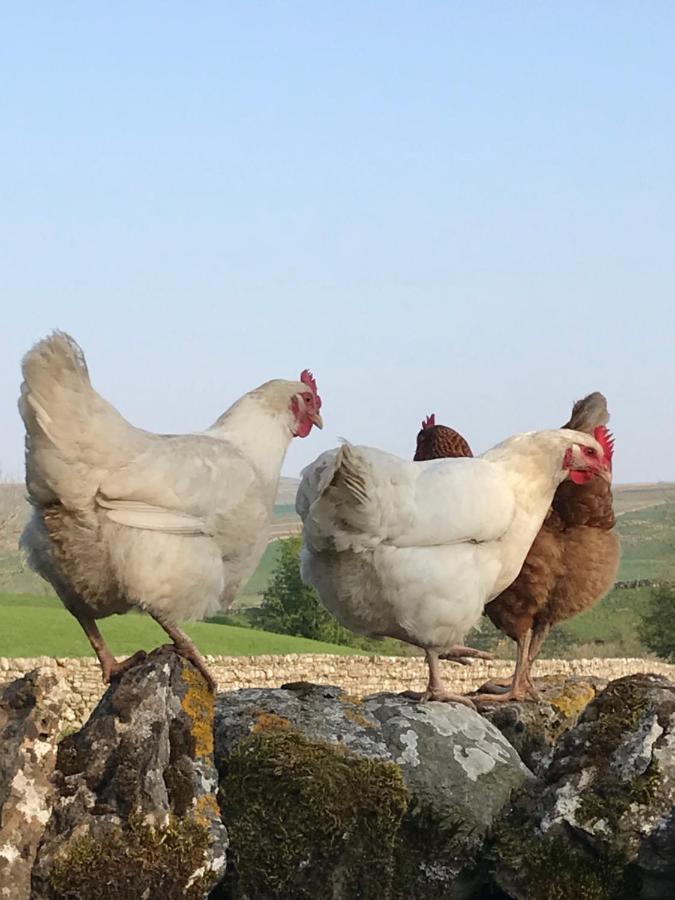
<point>516,694</point>
<point>112,669</point>
<point>187,649</point>
<point>464,655</point>
<point>439,695</point>
<point>447,697</point>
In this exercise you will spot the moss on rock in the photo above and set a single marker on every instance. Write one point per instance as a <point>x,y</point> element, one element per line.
<point>137,860</point>
<point>623,704</point>
<point>302,814</point>
<point>553,866</point>
<point>611,799</point>
<point>429,855</point>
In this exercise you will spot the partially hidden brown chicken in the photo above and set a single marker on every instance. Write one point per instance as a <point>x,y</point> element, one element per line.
<point>572,563</point>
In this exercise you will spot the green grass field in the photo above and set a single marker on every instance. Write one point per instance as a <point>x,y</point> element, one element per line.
<point>40,626</point>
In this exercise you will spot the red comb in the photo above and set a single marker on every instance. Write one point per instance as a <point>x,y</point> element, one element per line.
<point>307,378</point>
<point>430,421</point>
<point>605,438</point>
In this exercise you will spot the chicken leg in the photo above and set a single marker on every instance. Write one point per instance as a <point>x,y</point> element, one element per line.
<point>109,665</point>
<point>435,688</point>
<point>539,635</point>
<point>501,686</point>
<point>522,686</point>
<point>187,649</point>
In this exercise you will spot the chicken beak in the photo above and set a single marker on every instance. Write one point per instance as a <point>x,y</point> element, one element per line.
<point>316,420</point>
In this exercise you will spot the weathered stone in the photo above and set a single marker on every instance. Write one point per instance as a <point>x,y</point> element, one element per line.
<point>534,728</point>
<point>30,721</point>
<point>328,796</point>
<point>136,815</point>
<point>601,823</point>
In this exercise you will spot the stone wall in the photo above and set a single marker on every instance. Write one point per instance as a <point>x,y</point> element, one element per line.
<point>358,675</point>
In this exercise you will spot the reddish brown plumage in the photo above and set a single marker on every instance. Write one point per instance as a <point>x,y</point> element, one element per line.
<point>574,558</point>
<point>437,441</point>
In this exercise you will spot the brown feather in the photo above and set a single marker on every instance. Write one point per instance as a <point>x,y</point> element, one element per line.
<point>440,442</point>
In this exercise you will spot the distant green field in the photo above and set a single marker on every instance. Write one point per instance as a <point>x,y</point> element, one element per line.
<point>629,497</point>
<point>612,625</point>
<point>40,626</point>
<point>261,576</point>
<point>648,543</point>
<point>285,511</point>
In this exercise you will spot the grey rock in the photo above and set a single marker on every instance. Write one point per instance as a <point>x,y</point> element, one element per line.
<point>30,721</point>
<point>328,796</point>
<point>135,814</point>
<point>601,821</point>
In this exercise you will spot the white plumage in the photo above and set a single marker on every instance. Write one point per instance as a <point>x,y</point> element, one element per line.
<point>173,524</point>
<point>414,550</point>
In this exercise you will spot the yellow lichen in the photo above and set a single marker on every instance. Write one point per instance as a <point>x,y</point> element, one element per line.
<point>351,698</point>
<point>266,721</point>
<point>206,808</point>
<point>199,704</point>
<point>573,698</point>
<point>360,719</point>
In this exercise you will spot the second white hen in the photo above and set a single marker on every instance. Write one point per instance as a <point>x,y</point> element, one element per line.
<point>415,550</point>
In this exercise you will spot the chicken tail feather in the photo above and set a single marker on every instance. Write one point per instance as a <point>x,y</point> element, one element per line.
<point>72,433</point>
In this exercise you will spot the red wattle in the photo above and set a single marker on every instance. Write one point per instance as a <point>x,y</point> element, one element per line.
<point>303,427</point>
<point>581,476</point>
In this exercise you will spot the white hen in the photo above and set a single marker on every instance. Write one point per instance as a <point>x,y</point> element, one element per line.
<point>415,550</point>
<point>171,524</point>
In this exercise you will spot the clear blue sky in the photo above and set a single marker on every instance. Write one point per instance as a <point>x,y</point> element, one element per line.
<point>464,208</point>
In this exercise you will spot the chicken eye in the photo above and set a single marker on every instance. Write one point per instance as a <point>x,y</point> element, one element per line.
<point>591,451</point>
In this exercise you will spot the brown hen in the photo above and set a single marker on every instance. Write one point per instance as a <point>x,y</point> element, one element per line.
<point>438,441</point>
<point>571,564</point>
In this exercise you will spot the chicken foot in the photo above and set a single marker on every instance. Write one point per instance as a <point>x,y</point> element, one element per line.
<point>522,687</point>
<point>187,649</point>
<point>435,688</point>
<point>464,655</point>
<point>109,665</point>
<point>502,685</point>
